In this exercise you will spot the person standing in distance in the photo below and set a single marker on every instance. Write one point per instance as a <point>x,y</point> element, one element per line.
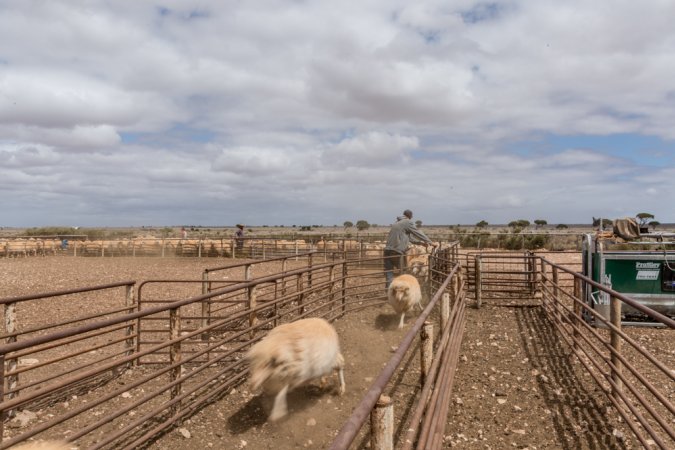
<point>401,234</point>
<point>239,238</point>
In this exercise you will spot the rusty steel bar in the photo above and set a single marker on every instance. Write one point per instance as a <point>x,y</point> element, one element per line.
<point>425,394</point>
<point>613,399</point>
<point>448,370</point>
<point>100,287</point>
<point>615,362</point>
<point>435,411</point>
<point>351,427</point>
<point>175,305</point>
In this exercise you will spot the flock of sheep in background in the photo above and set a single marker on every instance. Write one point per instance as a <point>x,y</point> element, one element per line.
<point>153,246</point>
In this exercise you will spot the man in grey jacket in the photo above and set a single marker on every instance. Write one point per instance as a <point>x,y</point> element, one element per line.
<point>402,233</point>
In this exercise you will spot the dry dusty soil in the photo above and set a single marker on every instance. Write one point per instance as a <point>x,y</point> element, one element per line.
<point>517,386</point>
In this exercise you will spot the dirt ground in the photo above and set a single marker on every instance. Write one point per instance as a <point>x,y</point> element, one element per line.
<point>516,386</point>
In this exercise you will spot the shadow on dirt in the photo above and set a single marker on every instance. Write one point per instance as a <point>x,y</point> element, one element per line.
<point>579,417</point>
<point>389,322</point>
<point>254,413</point>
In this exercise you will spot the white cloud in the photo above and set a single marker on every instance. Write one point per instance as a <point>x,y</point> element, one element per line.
<point>130,111</point>
<point>373,149</point>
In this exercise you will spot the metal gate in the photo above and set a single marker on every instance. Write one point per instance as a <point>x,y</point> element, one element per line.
<point>498,275</point>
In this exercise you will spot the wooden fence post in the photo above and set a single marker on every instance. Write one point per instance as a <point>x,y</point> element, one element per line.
<point>445,311</point>
<point>426,350</point>
<point>382,424</point>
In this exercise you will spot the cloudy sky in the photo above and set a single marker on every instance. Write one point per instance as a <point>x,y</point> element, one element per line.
<point>128,113</point>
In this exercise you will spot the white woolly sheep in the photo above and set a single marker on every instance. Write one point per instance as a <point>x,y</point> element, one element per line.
<point>293,354</point>
<point>404,293</point>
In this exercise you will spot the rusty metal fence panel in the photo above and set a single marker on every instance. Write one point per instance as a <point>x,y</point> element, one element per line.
<point>637,383</point>
<point>172,356</point>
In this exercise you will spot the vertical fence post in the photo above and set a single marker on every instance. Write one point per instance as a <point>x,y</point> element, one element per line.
<point>252,303</point>
<point>12,380</point>
<point>576,317</point>
<point>301,295</point>
<point>344,287</point>
<point>426,350</point>
<point>3,413</point>
<point>206,305</point>
<point>310,262</point>
<point>276,303</point>
<point>532,270</point>
<point>284,263</point>
<point>175,355</point>
<point>382,424</point>
<point>479,290</point>
<point>331,280</point>
<point>615,341</point>
<point>544,280</point>
<point>445,311</point>
<point>232,248</point>
<point>130,343</point>
<point>556,294</point>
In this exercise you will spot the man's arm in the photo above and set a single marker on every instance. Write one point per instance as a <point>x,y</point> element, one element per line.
<point>417,236</point>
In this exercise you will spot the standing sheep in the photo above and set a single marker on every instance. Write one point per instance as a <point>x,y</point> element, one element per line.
<point>404,293</point>
<point>293,354</point>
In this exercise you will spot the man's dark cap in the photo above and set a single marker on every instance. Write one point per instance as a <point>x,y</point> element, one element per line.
<point>407,213</point>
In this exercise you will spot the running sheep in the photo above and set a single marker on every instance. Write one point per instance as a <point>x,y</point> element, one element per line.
<point>293,354</point>
<point>404,294</point>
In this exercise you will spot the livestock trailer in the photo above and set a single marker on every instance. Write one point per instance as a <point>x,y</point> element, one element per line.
<point>643,269</point>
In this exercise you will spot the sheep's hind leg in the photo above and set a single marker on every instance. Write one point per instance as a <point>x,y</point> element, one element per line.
<point>341,374</point>
<point>279,409</point>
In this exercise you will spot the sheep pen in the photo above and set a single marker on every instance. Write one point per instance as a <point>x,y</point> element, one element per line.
<point>368,338</point>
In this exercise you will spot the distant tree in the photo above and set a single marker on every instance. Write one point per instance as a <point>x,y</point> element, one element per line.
<point>362,225</point>
<point>643,218</point>
<point>540,223</point>
<point>654,224</point>
<point>348,224</point>
<point>520,223</point>
<point>418,223</point>
<point>561,226</point>
<point>601,222</point>
<point>482,224</point>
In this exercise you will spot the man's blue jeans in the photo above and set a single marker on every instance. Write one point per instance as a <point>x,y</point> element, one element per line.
<point>393,260</point>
